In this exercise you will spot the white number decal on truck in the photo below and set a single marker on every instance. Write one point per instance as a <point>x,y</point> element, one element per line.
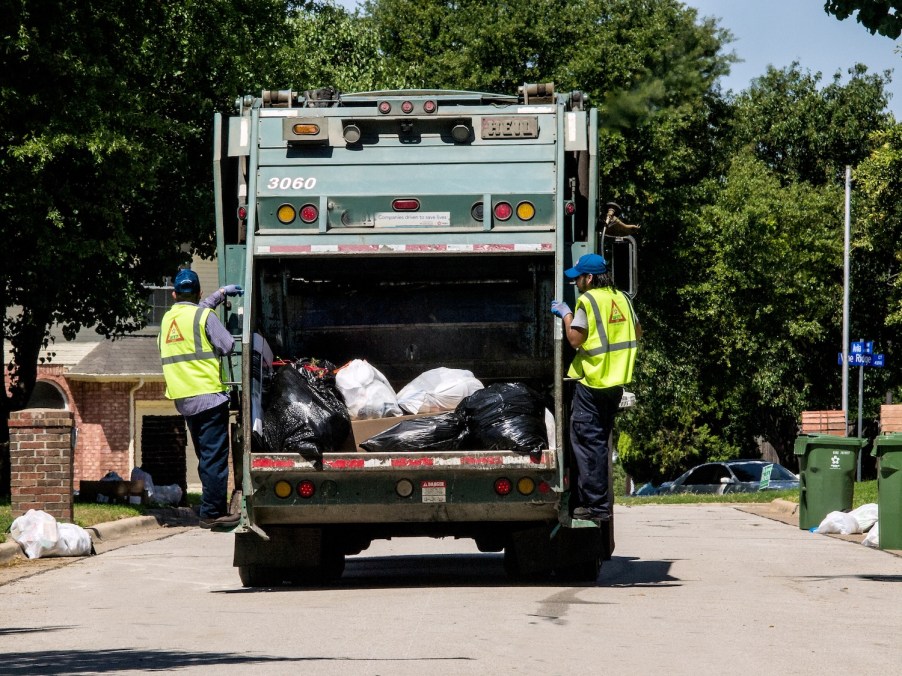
<point>284,183</point>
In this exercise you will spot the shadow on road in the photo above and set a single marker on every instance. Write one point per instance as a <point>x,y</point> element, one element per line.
<point>108,661</point>
<point>478,570</point>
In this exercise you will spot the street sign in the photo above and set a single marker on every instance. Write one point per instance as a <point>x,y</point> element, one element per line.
<point>858,359</point>
<point>863,347</point>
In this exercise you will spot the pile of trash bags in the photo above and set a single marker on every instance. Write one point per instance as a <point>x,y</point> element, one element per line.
<point>860,520</point>
<point>311,404</point>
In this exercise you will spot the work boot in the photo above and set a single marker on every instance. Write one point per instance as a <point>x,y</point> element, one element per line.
<point>235,502</point>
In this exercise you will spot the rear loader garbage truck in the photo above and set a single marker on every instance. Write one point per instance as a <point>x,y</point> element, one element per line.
<point>414,230</point>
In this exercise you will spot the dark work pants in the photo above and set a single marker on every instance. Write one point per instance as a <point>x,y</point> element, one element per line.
<point>591,422</point>
<point>210,434</point>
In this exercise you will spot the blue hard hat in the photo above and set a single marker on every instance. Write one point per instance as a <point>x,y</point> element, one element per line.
<point>186,281</point>
<point>588,264</point>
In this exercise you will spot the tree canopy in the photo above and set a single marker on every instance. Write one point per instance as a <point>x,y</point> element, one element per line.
<point>878,16</point>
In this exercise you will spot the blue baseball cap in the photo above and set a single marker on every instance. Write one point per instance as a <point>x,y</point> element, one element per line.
<point>588,264</point>
<point>186,281</point>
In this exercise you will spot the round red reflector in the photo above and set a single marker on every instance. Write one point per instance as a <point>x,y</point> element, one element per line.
<point>429,107</point>
<point>503,486</point>
<point>407,107</point>
<point>503,211</point>
<point>306,489</point>
<point>242,213</point>
<point>405,205</point>
<point>570,208</point>
<point>309,213</point>
<point>544,487</point>
<point>384,107</point>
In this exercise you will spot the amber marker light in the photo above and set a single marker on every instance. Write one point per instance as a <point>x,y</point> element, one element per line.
<point>282,489</point>
<point>285,214</point>
<point>525,211</point>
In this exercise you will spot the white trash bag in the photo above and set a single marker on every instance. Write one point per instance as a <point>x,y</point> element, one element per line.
<point>139,474</point>
<point>866,516</point>
<point>39,534</point>
<point>872,539</point>
<point>839,522</point>
<point>367,393</point>
<point>437,390</point>
<point>167,495</point>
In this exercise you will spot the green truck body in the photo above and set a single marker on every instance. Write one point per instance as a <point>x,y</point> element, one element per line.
<point>413,229</point>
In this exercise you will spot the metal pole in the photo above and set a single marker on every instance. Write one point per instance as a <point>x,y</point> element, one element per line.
<point>845,299</point>
<point>860,395</point>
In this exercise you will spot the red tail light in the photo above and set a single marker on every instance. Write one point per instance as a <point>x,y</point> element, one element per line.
<point>309,213</point>
<point>242,213</point>
<point>384,107</point>
<point>430,106</point>
<point>503,486</point>
<point>406,205</point>
<point>306,489</point>
<point>503,211</point>
<point>407,107</point>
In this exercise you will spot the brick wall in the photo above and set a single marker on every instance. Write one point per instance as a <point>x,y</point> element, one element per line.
<point>102,418</point>
<point>41,463</point>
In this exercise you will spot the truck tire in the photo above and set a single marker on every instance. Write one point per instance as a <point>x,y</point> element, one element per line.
<point>262,576</point>
<point>584,571</point>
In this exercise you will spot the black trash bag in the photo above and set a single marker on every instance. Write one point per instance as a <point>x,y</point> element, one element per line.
<point>442,432</point>
<point>306,413</point>
<point>505,416</point>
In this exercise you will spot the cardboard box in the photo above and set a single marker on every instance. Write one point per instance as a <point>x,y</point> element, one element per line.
<point>361,430</point>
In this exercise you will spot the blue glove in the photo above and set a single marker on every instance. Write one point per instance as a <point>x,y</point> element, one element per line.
<point>233,290</point>
<point>560,309</point>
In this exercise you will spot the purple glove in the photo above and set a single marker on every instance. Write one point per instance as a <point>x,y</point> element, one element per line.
<point>233,290</point>
<point>560,309</point>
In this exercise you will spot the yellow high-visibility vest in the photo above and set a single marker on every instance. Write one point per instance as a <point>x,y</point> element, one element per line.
<point>190,366</point>
<point>607,357</point>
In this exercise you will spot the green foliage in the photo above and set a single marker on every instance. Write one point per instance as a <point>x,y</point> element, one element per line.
<point>106,116</point>
<point>878,16</point>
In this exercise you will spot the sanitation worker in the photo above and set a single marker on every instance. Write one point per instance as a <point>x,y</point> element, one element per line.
<point>191,341</point>
<point>604,331</point>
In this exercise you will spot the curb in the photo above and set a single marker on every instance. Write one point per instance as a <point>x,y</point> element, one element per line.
<point>786,505</point>
<point>110,530</point>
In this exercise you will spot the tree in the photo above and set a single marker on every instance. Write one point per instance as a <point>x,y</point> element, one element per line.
<point>105,153</point>
<point>878,16</point>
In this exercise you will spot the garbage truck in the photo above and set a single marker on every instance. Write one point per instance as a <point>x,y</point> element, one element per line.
<point>412,229</point>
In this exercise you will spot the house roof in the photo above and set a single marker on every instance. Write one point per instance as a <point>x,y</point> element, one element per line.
<point>125,358</point>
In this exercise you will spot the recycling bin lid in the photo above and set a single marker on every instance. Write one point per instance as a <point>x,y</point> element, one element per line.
<point>887,443</point>
<point>805,441</point>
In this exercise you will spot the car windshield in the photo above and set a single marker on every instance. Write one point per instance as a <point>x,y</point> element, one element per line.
<point>751,471</point>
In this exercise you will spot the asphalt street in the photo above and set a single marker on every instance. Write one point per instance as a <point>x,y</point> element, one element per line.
<point>691,589</point>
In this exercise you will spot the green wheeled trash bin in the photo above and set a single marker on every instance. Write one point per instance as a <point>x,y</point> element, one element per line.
<point>888,450</point>
<point>827,466</point>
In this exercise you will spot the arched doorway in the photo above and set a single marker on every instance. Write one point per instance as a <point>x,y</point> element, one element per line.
<point>47,394</point>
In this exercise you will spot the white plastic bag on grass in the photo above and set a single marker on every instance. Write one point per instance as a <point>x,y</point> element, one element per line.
<point>839,522</point>
<point>38,533</point>
<point>367,393</point>
<point>872,539</point>
<point>139,474</point>
<point>168,495</point>
<point>437,390</point>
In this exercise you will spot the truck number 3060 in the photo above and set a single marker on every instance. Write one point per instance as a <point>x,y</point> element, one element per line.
<point>288,183</point>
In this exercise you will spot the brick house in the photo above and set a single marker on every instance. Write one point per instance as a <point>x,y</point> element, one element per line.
<point>114,388</point>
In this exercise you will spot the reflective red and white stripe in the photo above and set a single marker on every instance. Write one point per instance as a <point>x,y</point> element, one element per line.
<point>399,248</point>
<point>282,462</point>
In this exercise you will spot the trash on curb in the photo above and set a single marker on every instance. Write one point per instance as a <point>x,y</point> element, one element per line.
<point>39,535</point>
<point>859,520</point>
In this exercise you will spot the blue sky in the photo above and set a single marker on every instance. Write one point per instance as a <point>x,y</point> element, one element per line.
<point>778,32</point>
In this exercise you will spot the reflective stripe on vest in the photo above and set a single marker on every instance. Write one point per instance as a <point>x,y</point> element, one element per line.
<point>190,366</point>
<point>607,357</point>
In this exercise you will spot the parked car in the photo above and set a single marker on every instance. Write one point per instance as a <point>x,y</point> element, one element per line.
<point>733,476</point>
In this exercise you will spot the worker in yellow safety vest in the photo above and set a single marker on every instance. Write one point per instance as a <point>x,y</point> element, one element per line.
<point>191,340</point>
<point>604,331</point>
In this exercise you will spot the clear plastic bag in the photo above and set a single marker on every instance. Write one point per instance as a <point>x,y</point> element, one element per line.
<point>439,389</point>
<point>39,535</point>
<point>367,393</point>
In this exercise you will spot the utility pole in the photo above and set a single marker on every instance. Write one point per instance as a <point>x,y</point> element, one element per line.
<point>845,298</point>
